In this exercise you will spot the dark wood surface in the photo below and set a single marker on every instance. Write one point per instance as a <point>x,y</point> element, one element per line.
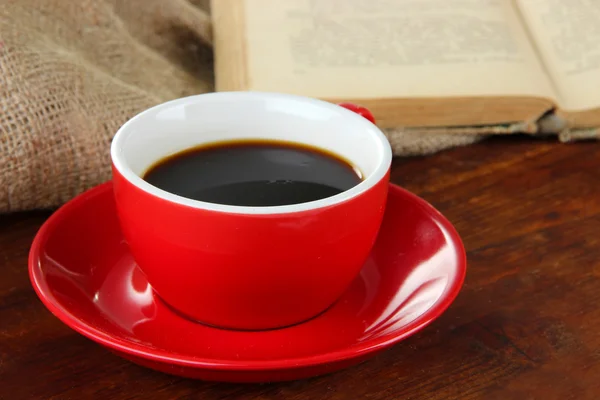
<point>525,326</point>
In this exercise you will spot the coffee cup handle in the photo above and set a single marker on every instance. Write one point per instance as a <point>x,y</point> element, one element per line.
<point>360,110</point>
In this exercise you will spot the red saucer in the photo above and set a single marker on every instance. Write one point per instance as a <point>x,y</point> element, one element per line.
<point>81,269</point>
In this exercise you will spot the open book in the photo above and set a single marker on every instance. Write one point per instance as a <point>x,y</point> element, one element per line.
<point>420,63</point>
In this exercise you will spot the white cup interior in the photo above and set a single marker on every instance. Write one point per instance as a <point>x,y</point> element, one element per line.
<point>188,122</point>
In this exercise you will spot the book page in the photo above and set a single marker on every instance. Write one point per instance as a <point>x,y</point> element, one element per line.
<point>391,49</point>
<point>567,34</point>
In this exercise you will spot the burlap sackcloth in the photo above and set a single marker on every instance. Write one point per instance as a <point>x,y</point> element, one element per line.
<point>73,71</point>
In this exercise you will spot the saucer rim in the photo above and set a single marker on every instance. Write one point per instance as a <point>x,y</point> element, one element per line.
<point>164,356</point>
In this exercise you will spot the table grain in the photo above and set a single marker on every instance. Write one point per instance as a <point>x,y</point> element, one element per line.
<point>526,324</point>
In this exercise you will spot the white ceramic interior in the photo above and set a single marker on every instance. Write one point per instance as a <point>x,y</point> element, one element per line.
<point>191,121</point>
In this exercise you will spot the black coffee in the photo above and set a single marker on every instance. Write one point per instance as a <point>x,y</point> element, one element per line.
<point>253,173</point>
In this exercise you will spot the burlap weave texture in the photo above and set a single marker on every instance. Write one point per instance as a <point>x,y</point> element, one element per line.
<point>73,71</point>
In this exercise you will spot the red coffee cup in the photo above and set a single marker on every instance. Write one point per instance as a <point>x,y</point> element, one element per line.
<point>249,267</point>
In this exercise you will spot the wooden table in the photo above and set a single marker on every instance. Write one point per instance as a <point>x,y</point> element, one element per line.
<point>525,326</point>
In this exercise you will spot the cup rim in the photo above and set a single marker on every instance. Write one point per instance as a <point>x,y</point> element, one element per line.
<point>382,144</point>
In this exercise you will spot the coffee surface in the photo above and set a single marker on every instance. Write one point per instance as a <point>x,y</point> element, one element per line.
<point>253,173</point>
